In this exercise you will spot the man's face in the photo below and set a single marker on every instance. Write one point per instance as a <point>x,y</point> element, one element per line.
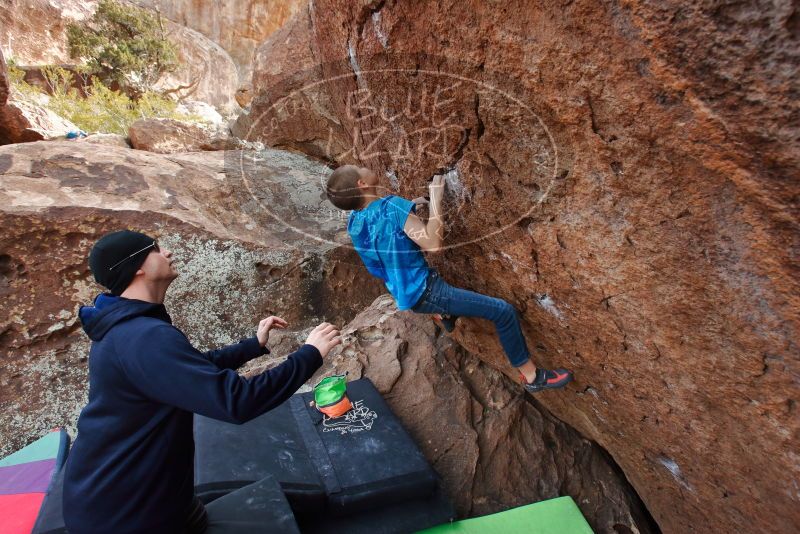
<point>159,266</point>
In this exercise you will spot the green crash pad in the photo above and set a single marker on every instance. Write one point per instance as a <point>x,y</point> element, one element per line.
<point>555,516</point>
<point>45,448</point>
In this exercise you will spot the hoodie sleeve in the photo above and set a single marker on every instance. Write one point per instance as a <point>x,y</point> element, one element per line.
<point>162,364</point>
<point>236,355</point>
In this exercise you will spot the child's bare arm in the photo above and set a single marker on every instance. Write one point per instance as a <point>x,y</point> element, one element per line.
<point>428,235</point>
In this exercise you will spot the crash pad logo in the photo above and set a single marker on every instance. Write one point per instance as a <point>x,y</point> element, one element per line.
<point>358,419</point>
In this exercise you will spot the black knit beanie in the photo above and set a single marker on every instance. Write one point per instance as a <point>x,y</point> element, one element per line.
<point>114,248</point>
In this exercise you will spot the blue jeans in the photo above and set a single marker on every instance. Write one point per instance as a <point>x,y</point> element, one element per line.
<point>440,297</point>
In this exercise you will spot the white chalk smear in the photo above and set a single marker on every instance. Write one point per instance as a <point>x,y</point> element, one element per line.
<point>673,467</point>
<point>549,305</point>
<point>376,23</point>
<point>393,181</point>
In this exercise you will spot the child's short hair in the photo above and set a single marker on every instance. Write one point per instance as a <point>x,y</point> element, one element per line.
<point>342,188</point>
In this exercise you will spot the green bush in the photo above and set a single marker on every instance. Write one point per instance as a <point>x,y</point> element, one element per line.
<point>123,44</point>
<point>120,44</point>
<point>15,74</point>
<point>16,78</point>
<point>104,110</point>
<point>101,109</point>
<point>59,80</point>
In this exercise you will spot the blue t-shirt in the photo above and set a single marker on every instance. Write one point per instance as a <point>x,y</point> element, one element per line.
<point>378,237</point>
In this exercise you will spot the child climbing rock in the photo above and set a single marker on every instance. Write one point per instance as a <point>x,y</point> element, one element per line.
<point>390,237</point>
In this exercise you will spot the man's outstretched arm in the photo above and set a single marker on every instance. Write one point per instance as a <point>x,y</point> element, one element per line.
<point>167,369</point>
<point>236,355</point>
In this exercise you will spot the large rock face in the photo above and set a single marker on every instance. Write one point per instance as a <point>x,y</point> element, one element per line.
<point>22,122</point>
<point>236,227</point>
<point>25,121</point>
<point>286,65</point>
<point>493,446</point>
<point>167,136</point>
<point>206,72</point>
<point>33,32</point>
<point>626,174</point>
<point>239,26</point>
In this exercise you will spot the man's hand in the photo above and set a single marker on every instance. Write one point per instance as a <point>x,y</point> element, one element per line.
<point>324,337</point>
<point>265,325</point>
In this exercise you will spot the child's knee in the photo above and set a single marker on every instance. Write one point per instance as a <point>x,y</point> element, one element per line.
<point>507,311</point>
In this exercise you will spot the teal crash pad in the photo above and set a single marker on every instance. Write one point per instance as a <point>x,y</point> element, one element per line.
<point>554,516</point>
<point>44,448</point>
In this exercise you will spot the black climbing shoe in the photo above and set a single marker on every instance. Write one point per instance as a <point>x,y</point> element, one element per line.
<point>546,379</point>
<point>447,321</point>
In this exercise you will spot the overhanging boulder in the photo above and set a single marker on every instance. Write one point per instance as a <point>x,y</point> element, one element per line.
<point>625,176</point>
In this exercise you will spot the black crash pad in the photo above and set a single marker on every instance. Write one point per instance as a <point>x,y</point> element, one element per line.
<point>51,515</point>
<point>259,508</point>
<point>360,461</point>
<point>50,519</point>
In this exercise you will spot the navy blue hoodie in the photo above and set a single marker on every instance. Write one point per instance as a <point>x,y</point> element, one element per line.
<point>131,467</point>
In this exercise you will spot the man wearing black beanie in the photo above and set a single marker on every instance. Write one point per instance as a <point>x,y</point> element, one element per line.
<point>131,468</point>
<point>111,271</point>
